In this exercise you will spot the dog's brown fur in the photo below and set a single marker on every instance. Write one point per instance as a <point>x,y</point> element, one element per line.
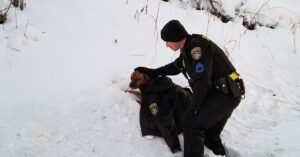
<point>139,79</point>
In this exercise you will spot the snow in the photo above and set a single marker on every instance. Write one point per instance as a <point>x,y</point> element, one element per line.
<point>4,4</point>
<point>62,79</point>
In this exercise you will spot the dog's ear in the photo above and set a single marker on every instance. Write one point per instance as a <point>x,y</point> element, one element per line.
<point>146,78</point>
<point>134,75</point>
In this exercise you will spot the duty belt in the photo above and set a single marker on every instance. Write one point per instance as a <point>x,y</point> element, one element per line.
<point>230,84</point>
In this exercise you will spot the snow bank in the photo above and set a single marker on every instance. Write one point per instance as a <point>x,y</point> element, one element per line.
<point>63,80</point>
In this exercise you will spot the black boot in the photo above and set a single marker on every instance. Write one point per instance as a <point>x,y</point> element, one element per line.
<point>213,140</point>
<point>219,150</point>
<point>215,144</point>
<point>193,143</point>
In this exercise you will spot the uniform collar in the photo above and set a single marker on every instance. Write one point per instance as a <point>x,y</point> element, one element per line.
<point>188,39</point>
<point>184,49</point>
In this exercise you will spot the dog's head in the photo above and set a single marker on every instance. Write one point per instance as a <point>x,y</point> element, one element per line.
<point>138,79</point>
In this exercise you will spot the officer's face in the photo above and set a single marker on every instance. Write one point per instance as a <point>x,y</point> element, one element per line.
<point>172,45</point>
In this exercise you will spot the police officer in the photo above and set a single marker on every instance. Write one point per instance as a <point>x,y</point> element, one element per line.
<point>216,87</point>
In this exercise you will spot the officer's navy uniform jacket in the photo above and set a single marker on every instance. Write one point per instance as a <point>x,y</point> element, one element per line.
<point>163,104</point>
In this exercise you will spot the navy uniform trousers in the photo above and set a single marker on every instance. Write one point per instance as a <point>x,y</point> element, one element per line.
<point>205,126</point>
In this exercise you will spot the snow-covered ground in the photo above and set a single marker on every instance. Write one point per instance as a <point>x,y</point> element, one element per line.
<point>64,66</point>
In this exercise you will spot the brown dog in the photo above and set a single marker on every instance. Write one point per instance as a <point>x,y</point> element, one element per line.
<point>162,106</point>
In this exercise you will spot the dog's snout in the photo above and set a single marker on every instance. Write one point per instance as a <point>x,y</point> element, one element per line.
<point>133,85</point>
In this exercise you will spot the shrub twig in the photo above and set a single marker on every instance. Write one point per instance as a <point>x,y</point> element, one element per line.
<point>155,31</point>
<point>26,28</point>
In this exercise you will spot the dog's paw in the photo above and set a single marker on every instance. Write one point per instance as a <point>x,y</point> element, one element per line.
<point>149,137</point>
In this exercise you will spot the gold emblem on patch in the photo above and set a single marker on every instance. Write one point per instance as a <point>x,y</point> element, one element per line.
<point>154,109</point>
<point>196,53</point>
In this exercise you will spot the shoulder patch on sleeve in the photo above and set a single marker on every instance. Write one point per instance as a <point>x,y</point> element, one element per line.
<point>153,108</point>
<point>196,53</point>
<point>199,68</point>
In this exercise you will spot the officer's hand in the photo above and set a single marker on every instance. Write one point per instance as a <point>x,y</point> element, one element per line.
<point>142,69</point>
<point>145,70</point>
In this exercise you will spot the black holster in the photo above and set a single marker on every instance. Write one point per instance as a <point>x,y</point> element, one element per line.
<point>236,87</point>
<point>226,85</point>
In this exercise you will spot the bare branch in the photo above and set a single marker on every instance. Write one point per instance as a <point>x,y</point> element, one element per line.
<point>26,28</point>
<point>294,30</point>
<point>155,31</point>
